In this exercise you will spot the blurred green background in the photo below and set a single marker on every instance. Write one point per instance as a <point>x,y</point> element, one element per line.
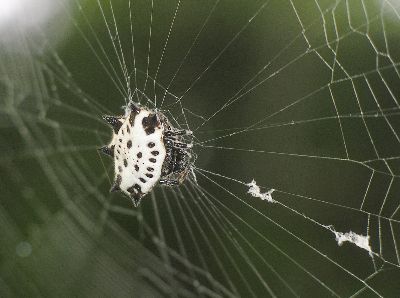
<point>313,92</point>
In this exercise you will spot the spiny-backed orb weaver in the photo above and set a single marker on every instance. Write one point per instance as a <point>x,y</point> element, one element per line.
<point>147,150</point>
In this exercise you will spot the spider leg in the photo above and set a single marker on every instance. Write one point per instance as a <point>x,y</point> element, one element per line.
<point>177,145</point>
<point>169,182</point>
<point>182,145</point>
<point>181,161</point>
<point>177,158</point>
<point>180,167</point>
<point>173,133</point>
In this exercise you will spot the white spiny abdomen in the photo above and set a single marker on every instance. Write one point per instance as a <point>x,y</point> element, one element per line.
<point>139,156</point>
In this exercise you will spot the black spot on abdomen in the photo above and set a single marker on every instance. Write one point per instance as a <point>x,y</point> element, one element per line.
<point>135,189</point>
<point>150,123</point>
<point>149,130</point>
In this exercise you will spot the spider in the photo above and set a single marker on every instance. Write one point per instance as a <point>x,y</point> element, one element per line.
<point>146,150</point>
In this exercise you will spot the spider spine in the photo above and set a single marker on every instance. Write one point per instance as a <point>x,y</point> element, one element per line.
<point>116,186</point>
<point>114,122</point>
<point>136,201</point>
<point>107,150</point>
<point>135,108</point>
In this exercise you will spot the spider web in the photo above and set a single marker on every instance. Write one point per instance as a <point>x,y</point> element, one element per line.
<point>294,108</point>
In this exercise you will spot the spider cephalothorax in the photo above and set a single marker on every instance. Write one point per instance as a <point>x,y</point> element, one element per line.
<point>147,150</point>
